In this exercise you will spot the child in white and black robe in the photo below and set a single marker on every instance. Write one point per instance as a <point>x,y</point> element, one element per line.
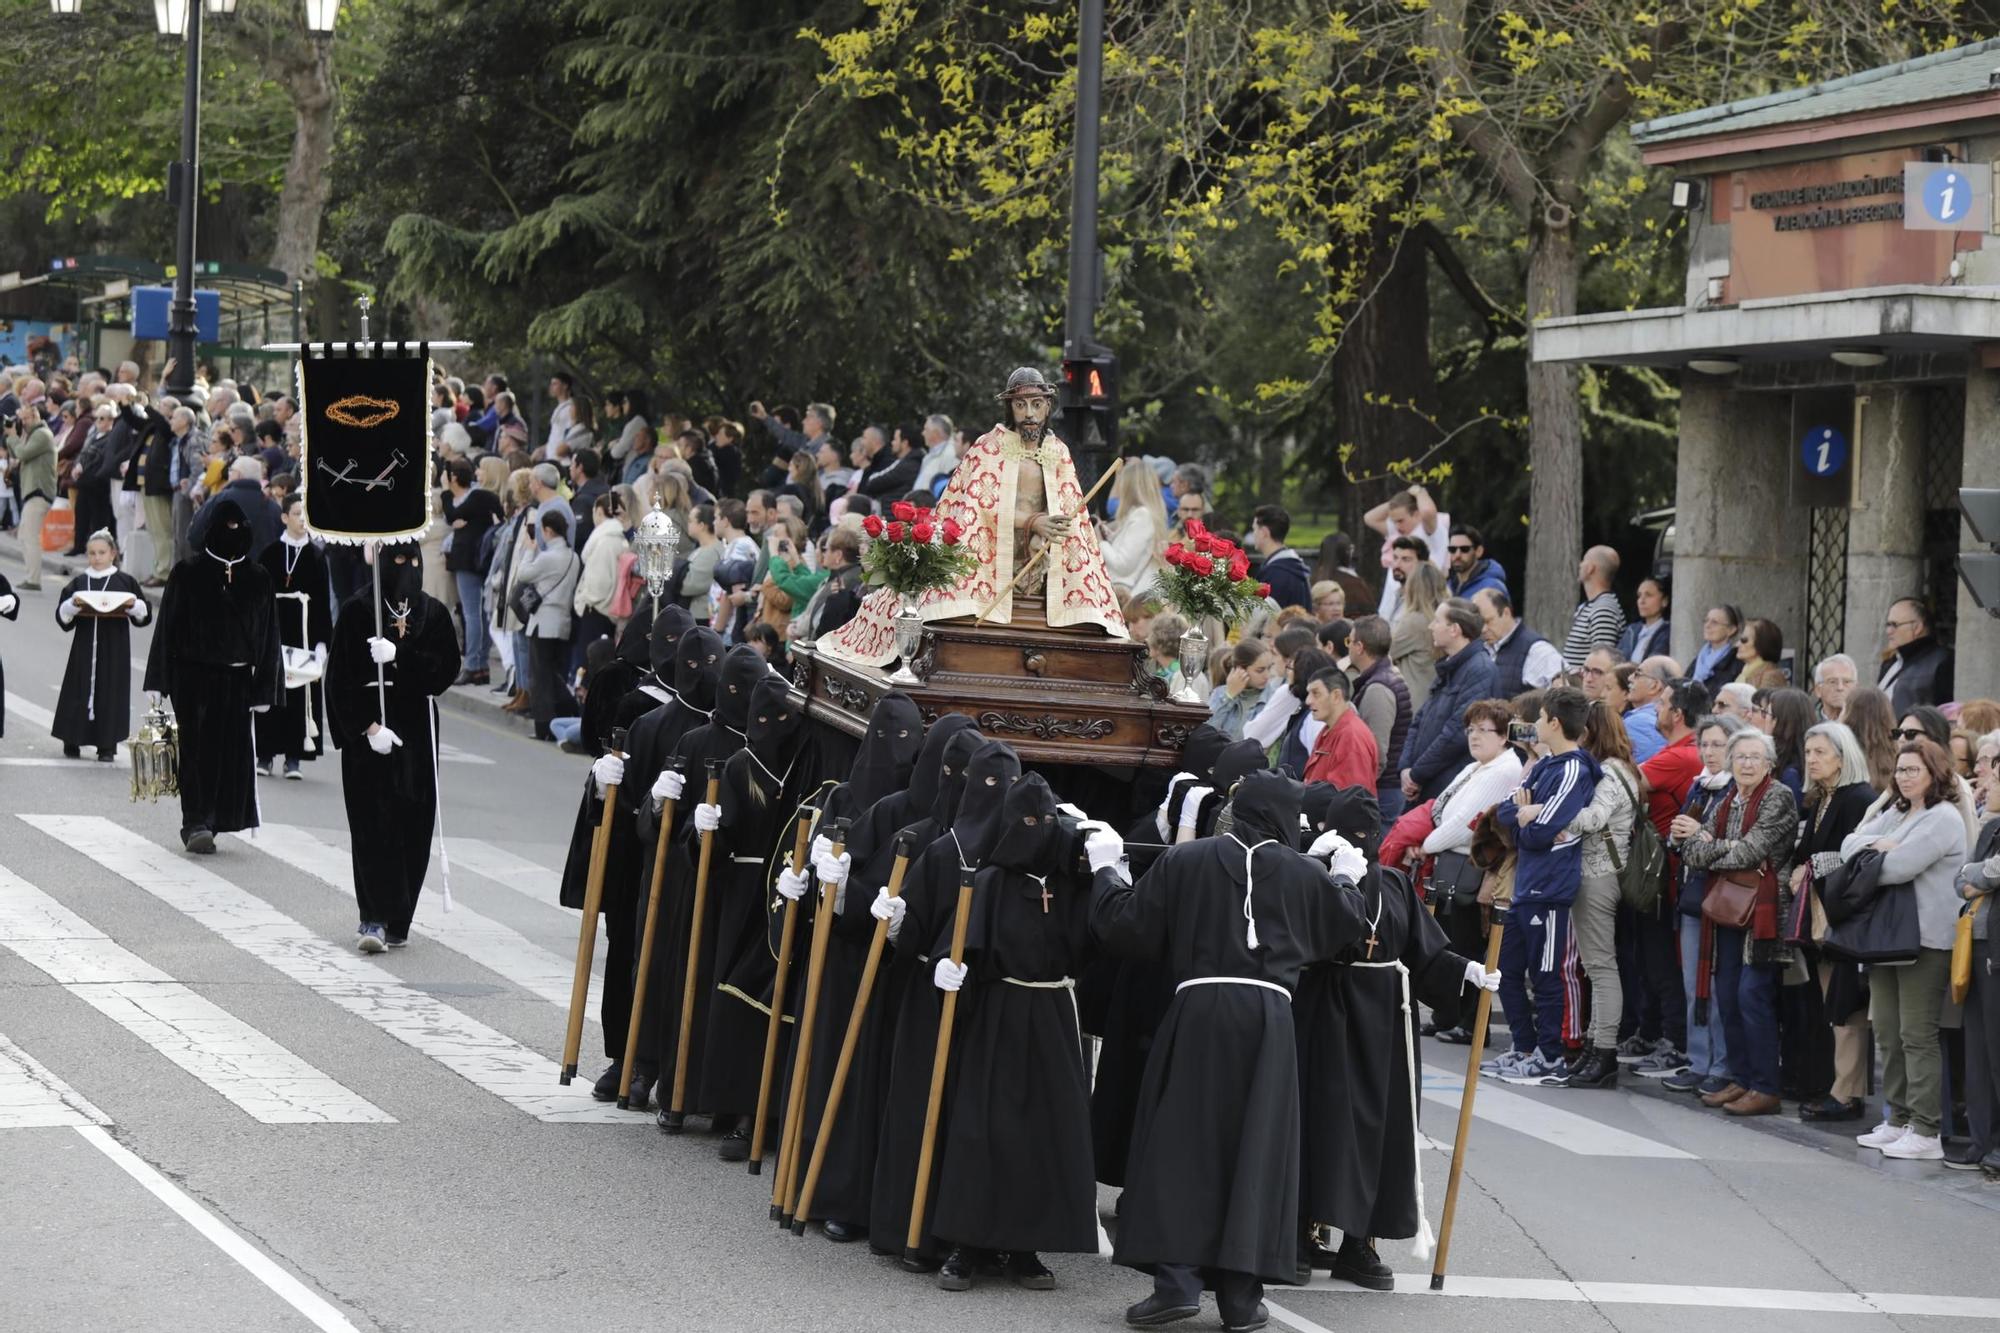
<point>388,761</point>
<point>1212,1183</point>
<point>215,655</point>
<point>296,725</point>
<point>10,608</point>
<point>1015,1173</point>
<point>95,706</point>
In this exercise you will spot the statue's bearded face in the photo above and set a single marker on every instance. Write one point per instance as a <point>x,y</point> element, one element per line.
<point>1031,415</point>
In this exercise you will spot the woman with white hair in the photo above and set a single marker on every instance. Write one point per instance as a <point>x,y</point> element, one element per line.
<point>1830,1063</point>
<point>1745,842</point>
<point>1134,541</point>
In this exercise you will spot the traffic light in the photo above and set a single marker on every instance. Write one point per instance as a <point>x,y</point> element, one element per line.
<point>1981,569</point>
<point>1090,401</point>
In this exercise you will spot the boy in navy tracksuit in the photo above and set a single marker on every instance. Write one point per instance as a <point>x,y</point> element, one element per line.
<point>1539,944</point>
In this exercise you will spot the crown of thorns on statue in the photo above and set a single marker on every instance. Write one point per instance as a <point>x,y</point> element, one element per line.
<point>1027,382</point>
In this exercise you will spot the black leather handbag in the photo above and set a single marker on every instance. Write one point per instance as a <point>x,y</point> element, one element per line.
<point>1883,932</point>
<point>1847,889</point>
<point>1454,882</point>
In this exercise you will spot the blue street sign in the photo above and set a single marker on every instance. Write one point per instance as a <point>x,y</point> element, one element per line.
<point>1948,194</point>
<point>1823,451</point>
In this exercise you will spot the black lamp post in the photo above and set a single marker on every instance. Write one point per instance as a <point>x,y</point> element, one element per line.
<point>182,18</point>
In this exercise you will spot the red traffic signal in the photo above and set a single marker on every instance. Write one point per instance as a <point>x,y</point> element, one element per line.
<point>1091,379</point>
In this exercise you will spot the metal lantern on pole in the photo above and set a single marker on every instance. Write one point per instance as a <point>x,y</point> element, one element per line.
<point>657,543</point>
<point>171,17</point>
<point>222,9</point>
<point>66,9</point>
<point>320,16</point>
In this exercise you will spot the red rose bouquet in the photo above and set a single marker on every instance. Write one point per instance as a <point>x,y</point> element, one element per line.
<point>915,550</point>
<point>1209,576</point>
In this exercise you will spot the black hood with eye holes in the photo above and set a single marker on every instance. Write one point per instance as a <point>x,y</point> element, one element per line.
<point>226,534</point>
<point>663,640</point>
<point>889,751</point>
<point>958,751</point>
<point>989,774</point>
<point>1030,838</point>
<point>777,724</point>
<point>698,667</point>
<point>741,670</point>
<point>1266,805</point>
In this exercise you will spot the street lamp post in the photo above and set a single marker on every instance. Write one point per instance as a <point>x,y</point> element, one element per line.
<point>182,18</point>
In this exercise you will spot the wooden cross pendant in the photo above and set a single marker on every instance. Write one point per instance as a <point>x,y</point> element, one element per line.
<point>1372,942</point>
<point>1045,897</point>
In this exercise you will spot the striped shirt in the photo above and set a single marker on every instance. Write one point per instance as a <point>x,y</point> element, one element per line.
<point>1596,624</point>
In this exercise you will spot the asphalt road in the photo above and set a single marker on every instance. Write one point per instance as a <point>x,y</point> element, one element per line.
<point>214,1116</point>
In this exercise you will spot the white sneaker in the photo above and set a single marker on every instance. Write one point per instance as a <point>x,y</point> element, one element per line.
<point>1882,1135</point>
<point>1915,1147</point>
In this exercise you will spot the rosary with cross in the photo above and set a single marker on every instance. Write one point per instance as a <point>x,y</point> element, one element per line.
<point>399,617</point>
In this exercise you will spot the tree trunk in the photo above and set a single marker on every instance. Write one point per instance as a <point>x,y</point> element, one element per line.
<point>306,71</point>
<point>1384,352</point>
<point>1555,442</point>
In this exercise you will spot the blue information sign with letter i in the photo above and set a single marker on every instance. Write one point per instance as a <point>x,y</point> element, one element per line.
<point>1823,451</point>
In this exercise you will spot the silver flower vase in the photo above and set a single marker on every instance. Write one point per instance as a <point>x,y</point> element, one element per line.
<point>1194,656</point>
<point>909,642</point>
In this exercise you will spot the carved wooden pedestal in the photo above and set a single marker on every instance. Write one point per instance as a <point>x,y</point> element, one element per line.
<point>1058,696</point>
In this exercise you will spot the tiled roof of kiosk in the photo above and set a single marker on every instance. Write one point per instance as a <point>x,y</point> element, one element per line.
<point>1959,72</point>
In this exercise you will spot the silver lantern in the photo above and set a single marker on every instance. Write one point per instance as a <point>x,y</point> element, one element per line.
<point>656,545</point>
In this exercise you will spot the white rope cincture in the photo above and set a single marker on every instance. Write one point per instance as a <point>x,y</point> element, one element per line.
<point>1426,1241</point>
<point>1249,860</point>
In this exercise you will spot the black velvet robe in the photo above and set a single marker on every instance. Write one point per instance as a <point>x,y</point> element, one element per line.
<point>1015,1170</point>
<point>1213,1176</point>
<point>95,706</point>
<point>1359,1150</point>
<point>215,655</point>
<point>391,798</point>
<point>296,726</point>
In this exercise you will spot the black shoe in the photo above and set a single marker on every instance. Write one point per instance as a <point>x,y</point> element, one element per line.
<point>1256,1320</point>
<point>1962,1154</point>
<point>1429,1029</point>
<point>1455,1037</point>
<point>72,752</point>
<point>466,678</point>
<point>1156,1310</point>
<point>1028,1271</point>
<point>572,747</point>
<point>1830,1108</point>
<point>843,1233</point>
<point>1597,1069</point>
<point>396,941</point>
<point>505,686</point>
<point>1357,1262</point>
<point>642,1084</point>
<point>734,1146</point>
<point>199,841</point>
<point>957,1271</point>
<point>1990,1164</point>
<point>106,756</point>
<point>606,1087</point>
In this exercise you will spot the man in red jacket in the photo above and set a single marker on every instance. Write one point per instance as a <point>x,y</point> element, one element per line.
<point>1344,753</point>
<point>1669,775</point>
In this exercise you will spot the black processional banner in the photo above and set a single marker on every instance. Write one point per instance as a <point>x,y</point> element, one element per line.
<point>366,445</point>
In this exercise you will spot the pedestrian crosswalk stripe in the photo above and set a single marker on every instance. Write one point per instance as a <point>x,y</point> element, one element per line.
<point>263,1079</point>
<point>32,713</point>
<point>1538,1120</point>
<point>1660,1293</point>
<point>452,754</point>
<point>487,1058</point>
<point>33,1098</point>
<point>528,878</point>
<point>496,947</point>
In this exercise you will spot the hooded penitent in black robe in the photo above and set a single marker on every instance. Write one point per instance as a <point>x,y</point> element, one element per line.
<point>1213,1179</point>
<point>1015,1169</point>
<point>847,1173</point>
<point>652,744</point>
<point>296,726</point>
<point>1136,990</point>
<point>1356,1039</point>
<point>391,798</point>
<point>759,802</point>
<point>930,891</point>
<point>12,611</point>
<point>215,655</point>
<point>95,706</point>
<point>715,740</point>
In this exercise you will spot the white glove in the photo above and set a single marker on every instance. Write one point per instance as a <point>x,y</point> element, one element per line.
<point>1103,846</point>
<point>381,651</point>
<point>885,908</point>
<point>382,740</point>
<point>1191,805</point>
<point>8,603</point>
<point>821,846</point>
<point>1475,975</point>
<point>1325,845</point>
<point>1349,864</point>
<point>791,885</point>
<point>607,772</point>
<point>1160,815</point>
<point>832,870</point>
<point>949,975</point>
<point>320,653</point>
<point>1073,812</point>
<point>707,818</point>
<point>260,708</point>
<point>668,786</point>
